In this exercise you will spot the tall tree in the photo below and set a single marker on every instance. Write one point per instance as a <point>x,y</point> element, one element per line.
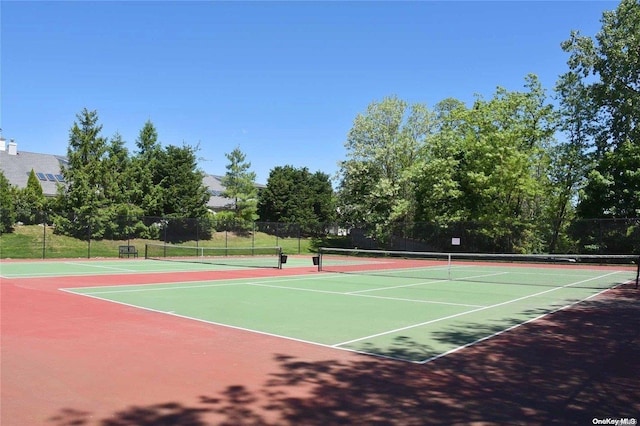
<point>613,188</point>
<point>83,200</point>
<point>7,208</point>
<point>182,197</point>
<point>609,69</point>
<point>569,157</point>
<point>147,142</point>
<point>376,186</point>
<point>323,198</point>
<point>30,201</point>
<point>146,192</point>
<point>184,194</point>
<point>503,169</point>
<point>437,172</point>
<point>115,165</point>
<point>239,183</point>
<point>119,187</point>
<point>487,164</point>
<point>294,195</point>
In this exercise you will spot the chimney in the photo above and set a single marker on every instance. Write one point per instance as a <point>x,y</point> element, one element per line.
<point>12,147</point>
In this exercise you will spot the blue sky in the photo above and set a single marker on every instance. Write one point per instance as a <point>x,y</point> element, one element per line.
<point>283,81</point>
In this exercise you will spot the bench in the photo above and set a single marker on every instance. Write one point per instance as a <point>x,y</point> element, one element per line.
<point>127,251</point>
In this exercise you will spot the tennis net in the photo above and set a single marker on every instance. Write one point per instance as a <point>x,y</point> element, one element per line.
<point>257,257</point>
<point>590,271</point>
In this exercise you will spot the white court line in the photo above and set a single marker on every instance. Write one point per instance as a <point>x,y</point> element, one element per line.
<point>167,268</point>
<point>514,326</point>
<point>126,288</point>
<point>469,312</point>
<point>79,274</point>
<point>170,284</point>
<point>111,268</point>
<point>66,274</point>
<point>145,287</point>
<point>334,346</point>
<point>136,290</point>
<point>366,295</point>
<point>434,281</point>
<point>197,319</point>
<point>235,327</point>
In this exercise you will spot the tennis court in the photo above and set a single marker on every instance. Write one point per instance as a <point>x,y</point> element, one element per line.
<point>406,308</point>
<point>171,259</point>
<point>195,337</point>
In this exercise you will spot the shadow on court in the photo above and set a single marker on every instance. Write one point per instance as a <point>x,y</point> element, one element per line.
<point>573,366</point>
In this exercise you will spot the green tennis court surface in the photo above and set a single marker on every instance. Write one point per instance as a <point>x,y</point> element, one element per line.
<point>109,267</point>
<point>400,314</point>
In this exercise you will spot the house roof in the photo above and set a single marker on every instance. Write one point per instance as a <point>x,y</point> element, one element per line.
<point>214,185</point>
<point>16,169</point>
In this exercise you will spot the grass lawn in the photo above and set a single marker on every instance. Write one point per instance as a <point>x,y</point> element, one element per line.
<point>36,242</point>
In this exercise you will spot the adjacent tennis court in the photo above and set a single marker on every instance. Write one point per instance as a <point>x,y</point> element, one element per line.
<point>408,307</point>
<point>171,259</point>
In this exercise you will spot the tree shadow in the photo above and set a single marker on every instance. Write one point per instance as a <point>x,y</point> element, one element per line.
<point>567,368</point>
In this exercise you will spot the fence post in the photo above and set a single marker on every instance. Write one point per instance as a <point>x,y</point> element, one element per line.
<point>166,225</point>
<point>44,235</point>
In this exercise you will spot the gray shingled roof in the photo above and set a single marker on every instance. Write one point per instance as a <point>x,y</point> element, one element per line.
<point>214,184</point>
<point>216,201</point>
<point>16,168</point>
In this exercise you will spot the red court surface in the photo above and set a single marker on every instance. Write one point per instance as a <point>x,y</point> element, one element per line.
<point>72,360</point>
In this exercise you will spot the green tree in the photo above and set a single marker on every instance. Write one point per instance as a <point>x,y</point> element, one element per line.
<point>608,68</point>
<point>323,198</point>
<point>125,217</point>
<point>239,183</point>
<point>613,188</point>
<point>146,191</point>
<point>436,174</point>
<point>184,194</point>
<point>488,164</point>
<point>503,167</point>
<point>570,161</point>
<point>116,169</point>
<point>377,186</point>
<point>83,201</point>
<point>30,201</point>
<point>294,195</point>
<point>7,208</point>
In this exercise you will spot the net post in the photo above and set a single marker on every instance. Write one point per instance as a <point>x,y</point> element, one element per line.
<point>318,259</point>
<point>449,266</point>
<point>638,271</point>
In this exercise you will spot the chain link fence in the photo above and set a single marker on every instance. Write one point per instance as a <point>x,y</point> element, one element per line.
<point>48,240</point>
